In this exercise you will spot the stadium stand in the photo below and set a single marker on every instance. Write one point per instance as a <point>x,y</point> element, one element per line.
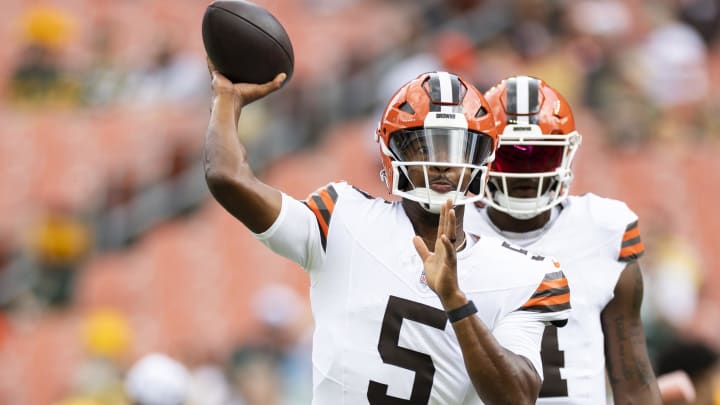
<point>185,282</point>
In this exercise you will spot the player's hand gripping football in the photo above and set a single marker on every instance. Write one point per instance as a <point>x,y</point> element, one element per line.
<point>242,93</point>
<point>441,265</point>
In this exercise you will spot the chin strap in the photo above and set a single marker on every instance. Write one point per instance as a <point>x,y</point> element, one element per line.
<point>435,199</point>
<point>528,207</point>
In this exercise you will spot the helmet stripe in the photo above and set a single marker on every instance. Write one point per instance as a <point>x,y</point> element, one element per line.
<point>456,90</point>
<point>511,100</point>
<point>435,92</point>
<point>534,100</point>
<point>445,89</point>
<point>523,99</point>
<point>522,91</point>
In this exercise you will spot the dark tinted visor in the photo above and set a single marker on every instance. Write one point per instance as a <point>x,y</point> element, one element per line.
<point>527,158</point>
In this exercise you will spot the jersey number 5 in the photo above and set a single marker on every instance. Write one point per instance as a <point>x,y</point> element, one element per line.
<point>391,353</point>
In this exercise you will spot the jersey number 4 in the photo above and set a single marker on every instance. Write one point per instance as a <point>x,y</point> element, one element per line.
<point>553,360</point>
<point>391,353</point>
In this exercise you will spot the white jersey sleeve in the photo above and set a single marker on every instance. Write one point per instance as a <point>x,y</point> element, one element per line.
<point>300,231</point>
<point>521,333</point>
<point>614,221</point>
<point>620,243</point>
<point>550,302</point>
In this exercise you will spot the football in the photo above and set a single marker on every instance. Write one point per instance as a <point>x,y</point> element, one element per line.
<point>245,42</point>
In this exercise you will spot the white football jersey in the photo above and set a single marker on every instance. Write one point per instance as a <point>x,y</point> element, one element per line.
<point>381,334</point>
<point>594,238</point>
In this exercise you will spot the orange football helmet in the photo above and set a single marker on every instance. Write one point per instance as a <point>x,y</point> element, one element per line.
<point>436,120</point>
<point>538,141</point>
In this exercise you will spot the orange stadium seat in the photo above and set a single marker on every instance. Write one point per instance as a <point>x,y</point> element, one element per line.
<point>19,150</point>
<point>44,350</point>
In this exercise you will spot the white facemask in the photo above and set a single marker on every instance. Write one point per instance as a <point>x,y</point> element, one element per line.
<point>523,208</point>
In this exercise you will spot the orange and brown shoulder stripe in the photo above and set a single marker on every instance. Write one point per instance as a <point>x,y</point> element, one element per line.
<point>552,295</point>
<point>632,247</point>
<point>322,204</point>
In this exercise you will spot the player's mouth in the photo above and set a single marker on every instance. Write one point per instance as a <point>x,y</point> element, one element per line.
<point>523,189</point>
<point>442,186</point>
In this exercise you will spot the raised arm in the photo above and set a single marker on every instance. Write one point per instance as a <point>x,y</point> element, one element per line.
<point>498,375</point>
<point>626,357</point>
<point>228,175</point>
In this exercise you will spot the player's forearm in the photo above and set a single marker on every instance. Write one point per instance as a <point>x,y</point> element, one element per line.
<point>626,358</point>
<point>499,376</point>
<point>228,174</point>
<point>631,376</point>
<point>225,156</point>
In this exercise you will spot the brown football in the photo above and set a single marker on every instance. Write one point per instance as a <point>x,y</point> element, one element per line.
<point>245,42</point>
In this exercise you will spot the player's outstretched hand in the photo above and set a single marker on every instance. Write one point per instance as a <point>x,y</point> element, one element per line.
<point>441,265</point>
<point>243,93</point>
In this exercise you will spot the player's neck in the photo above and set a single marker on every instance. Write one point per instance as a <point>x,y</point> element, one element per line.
<point>505,222</point>
<point>425,223</point>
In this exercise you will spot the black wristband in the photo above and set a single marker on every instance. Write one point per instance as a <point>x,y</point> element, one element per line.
<point>462,312</point>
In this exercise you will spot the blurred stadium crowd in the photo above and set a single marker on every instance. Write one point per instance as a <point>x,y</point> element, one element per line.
<point>118,272</point>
